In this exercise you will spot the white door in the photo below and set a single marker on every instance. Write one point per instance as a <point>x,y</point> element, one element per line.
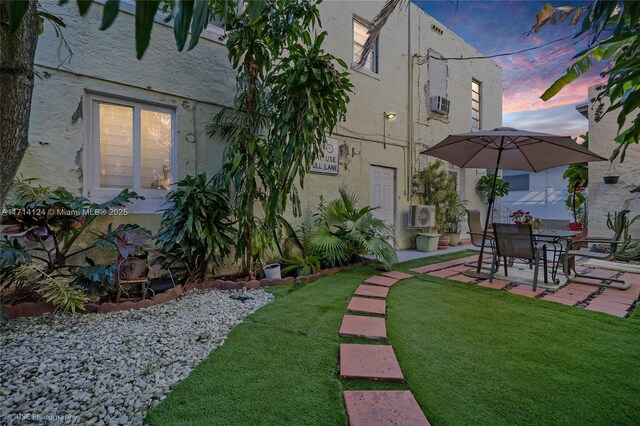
<point>383,193</point>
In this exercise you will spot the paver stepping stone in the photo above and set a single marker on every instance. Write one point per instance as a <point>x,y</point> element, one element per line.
<point>559,299</point>
<point>497,284</point>
<point>632,293</point>
<point>372,291</point>
<point>383,408</point>
<point>380,280</point>
<point>598,301</point>
<point>397,275</point>
<point>459,268</point>
<point>360,326</point>
<point>367,305</point>
<point>463,278</point>
<point>428,268</point>
<point>444,273</point>
<point>526,290</point>
<point>369,362</point>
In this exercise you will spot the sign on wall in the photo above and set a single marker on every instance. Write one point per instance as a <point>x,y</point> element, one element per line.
<point>327,162</point>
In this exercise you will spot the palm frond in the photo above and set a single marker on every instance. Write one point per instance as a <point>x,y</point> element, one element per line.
<point>322,241</point>
<point>378,23</point>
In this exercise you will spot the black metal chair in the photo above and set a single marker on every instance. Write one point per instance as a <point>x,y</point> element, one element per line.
<point>516,241</point>
<point>569,265</point>
<point>475,232</point>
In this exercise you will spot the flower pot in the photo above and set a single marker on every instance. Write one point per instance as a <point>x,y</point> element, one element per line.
<point>132,268</point>
<point>427,242</point>
<point>609,180</point>
<point>454,238</point>
<point>443,242</point>
<point>272,271</point>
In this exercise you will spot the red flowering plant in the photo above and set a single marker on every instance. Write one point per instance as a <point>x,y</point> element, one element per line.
<point>520,216</point>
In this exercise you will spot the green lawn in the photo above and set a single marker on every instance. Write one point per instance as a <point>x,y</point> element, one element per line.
<point>470,355</point>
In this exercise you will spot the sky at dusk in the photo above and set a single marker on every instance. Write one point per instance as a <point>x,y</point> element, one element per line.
<point>495,27</point>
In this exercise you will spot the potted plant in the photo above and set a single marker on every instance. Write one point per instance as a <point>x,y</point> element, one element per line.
<point>611,176</point>
<point>455,215</point>
<point>485,182</point>
<point>302,265</point>
<point>439,190</point>
<point>520,217</point>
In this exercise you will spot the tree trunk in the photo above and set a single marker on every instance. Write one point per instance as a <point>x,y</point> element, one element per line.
<point>17,52</point>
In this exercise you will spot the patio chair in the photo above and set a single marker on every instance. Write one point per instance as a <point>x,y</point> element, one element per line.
<point>475,232</point>
<point>516,241</point>
<point>569,266</point>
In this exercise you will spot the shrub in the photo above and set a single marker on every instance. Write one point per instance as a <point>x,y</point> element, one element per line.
<point>196,232</point>
<point>342,233</point>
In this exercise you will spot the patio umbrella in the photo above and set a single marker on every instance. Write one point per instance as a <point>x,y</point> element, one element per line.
<point>509,149</point>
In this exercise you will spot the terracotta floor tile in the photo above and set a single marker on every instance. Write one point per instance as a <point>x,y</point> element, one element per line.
<point>562,300</point>
<point>369,362</point>
<point>372,291</point>
<point>460,268</point>
<point>367,305</point>
<point>380,280</point>
<point>603,273</point>
<point>630,293</point>
<point>525,290</point>
<point>599,301</point>
<point>582,287</point>
<point>361,326</point>
<point>383,408</point>
<point>427,268</point>
<point>607,310</point>
<point>397,275</point>
<point>631,278</point>
<point>497,284</point>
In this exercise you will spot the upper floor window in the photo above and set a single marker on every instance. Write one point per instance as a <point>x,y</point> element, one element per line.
<point>475,104</point>
<point>360,34</point>
<point>131,145</point>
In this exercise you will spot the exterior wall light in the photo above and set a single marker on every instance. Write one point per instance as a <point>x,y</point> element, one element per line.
<point>415,185</point>
<point>389,115</point>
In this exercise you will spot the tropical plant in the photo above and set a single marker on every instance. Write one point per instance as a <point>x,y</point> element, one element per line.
<point>613,31</point>
<point>52,220</point>
<point>196,232</point>
<point>126,239</point>
<point>628,250</point>
<point>302,265</point>
<point>12,256</point>
<point>290,95</point>
<point>96,279</point>
<point>485,184</point>
<point>64,296</point>
<point>342,233</point>
<point>577,176</point>
<point>455,212</point>
<point>439,191</point>
<point>286,238</point>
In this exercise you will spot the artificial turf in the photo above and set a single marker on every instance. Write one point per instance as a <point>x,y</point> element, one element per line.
<point>469,354</point>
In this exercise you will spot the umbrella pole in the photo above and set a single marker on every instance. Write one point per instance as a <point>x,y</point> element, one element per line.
<point>492,197</point>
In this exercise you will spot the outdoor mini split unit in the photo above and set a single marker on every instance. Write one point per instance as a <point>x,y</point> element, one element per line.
<point>422,216</point>
<point>440,105</point>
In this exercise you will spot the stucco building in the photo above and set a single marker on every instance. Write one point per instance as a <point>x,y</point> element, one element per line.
<point>608,198</point>
<point>102,120</point>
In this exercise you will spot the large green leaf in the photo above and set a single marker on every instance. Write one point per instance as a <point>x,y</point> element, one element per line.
<point>182,22</point>
<point>111,9</point>
<point>199,22</point>
<point>83,6</point>
<point>254,10</point>
<point>145,14</point>
<point>15,11</point>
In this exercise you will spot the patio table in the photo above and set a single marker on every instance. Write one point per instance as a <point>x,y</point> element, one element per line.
<point>555,237</point>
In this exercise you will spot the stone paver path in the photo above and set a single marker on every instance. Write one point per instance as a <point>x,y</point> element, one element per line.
<point>360,326</point>
<point>367,305</point>
<point>612,301</point>
<point>381,408</point>
<point>375,362</point>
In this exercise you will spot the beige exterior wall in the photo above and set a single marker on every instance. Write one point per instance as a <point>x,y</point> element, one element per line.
<point>609,198</point>
<point>197,83</point>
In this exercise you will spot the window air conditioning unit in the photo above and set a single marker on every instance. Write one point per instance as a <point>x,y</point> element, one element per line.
<point>440,105</point>
<point>422,216</point>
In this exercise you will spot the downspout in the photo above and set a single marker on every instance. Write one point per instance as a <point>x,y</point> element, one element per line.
<point>409,106</point>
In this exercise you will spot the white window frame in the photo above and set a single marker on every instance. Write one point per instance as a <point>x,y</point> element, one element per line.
<point>154,198</point>
<point>375,51</point>
<point>479,110</point>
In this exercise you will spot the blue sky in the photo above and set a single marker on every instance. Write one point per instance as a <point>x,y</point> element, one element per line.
<point>496,27</point>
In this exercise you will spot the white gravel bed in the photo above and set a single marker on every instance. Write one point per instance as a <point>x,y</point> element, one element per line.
<point>111,368</point>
